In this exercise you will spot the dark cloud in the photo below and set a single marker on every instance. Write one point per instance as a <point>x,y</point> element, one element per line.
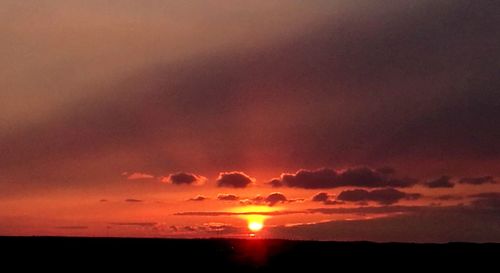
<point>227,197</point>
<point>477,180</point>
<point>329,178</point>
<point>448,197</point>
<point>442,182</point>
<point>275,198</point>
<point>275,183</point>
<point>415,224</point>
<point>198,198</point>
<point>132,200</point>
<point>382,196</point>
<point>270,200</point>
<point>234,180</point>
<point>486,195</point>
<point>321,197</point>
<point>490,200</point>
<point>182,178</point>
<point>335,202</point>
<point>326,198</point>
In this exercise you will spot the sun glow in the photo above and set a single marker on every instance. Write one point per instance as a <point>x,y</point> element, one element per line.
<point>255,216</point>
<point>255,226</point>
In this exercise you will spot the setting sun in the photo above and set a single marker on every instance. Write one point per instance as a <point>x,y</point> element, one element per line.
<point>255,226</point>
<point>254,215</point>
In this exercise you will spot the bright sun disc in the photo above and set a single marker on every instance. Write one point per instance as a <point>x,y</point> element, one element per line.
<point>255,226</point>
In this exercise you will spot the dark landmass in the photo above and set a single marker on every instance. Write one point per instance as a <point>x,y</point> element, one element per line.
<point>235,255</point>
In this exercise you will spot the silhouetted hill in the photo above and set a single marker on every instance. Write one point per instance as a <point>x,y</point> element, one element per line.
<point>237,255</point>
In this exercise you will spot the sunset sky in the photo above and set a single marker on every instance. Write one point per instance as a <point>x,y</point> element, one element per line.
<point>319,120</point>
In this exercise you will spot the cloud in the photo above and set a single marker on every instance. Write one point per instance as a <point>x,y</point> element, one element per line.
<point>490,200</point>
<point>442,182</point>
<point>183,178</point>
<point>151,226</point>
<point>136,224</point>
<point>257,200</point>
<point>452,121</point>
<point>247,202</point>
<point>217,228</point>
<point>385,209</point>
<point>173,228</point>
<point>328,178</point>
<point>227,213</point>
<point>198,198</point>
<point>334,202</point>
<point>270,200</point>
<point>132,200</point>
<point>189,228</point>
<point>326,198</point>
<point>138,176</point>
<point>477,180</point>
<point>448,197</point>
<point>211,227</point>
<point>321,197</point>
<point>275,183</point>
<point>275,198</point>
<point>415,224</point>
<point>486,195</point>
<point>359,210</point>
<point>382,196</point>
<point>227,197</point>
<point>234,180</point>
<point>72,227</point>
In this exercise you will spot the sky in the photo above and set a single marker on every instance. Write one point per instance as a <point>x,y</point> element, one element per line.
<point>310,120</point>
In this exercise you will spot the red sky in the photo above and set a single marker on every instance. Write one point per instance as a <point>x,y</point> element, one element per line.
<point>130,118</point>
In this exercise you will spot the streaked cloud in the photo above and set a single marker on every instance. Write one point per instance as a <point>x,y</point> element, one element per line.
<point>133,200</point>
<point>442,182</point>
<point>478,180</point>
<point>138,176</point>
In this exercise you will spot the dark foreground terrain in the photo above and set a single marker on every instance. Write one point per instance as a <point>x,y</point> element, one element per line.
<point>172,255</point>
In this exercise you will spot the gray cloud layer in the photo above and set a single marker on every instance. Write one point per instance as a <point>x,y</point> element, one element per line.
<point>413,85</point>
